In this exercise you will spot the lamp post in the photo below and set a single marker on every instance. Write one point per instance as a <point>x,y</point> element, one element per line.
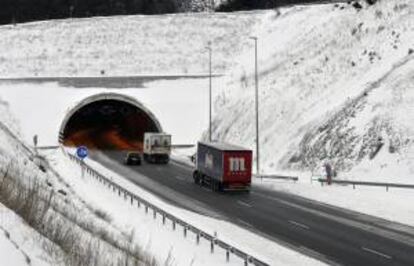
<point>257,107</point>
<point>210,50</point>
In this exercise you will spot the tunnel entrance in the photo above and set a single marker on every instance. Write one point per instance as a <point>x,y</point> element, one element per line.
<point>108,122</point>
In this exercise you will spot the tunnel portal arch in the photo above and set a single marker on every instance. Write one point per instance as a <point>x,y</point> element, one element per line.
<point>106,98</point>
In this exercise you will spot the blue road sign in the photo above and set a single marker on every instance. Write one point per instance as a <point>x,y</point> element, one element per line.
<point>82,152</point>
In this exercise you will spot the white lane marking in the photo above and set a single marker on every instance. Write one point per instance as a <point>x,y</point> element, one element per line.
<point>180,178</point>
<point>347,221</point>
<point>184,167</point>
<point>206,189</point>
<point>244,203</point>
<point>245,223</point>
<point>377,253</point>
<point>299,224</point>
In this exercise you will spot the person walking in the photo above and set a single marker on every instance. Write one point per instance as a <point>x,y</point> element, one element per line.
<point>328,171</point>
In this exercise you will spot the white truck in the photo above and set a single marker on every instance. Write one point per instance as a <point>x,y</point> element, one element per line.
<point>157,147</point>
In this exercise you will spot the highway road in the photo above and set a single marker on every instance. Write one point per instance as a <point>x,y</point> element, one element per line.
<point>328,233</point>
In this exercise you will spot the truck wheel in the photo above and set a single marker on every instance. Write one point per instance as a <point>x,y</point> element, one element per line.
<point>219,187</point>
<point>196,177</point>
<point>214,185</point>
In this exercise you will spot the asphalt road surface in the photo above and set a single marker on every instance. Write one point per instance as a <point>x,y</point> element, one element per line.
<point>331,234</point>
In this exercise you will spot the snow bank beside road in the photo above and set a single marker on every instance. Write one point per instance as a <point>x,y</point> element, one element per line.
<point>322,68</point>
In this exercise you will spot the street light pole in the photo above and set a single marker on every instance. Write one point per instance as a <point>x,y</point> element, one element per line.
<point>210,50</point>
<point>257,107</point>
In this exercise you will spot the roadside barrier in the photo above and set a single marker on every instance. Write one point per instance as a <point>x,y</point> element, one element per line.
<point>363,183</point>
<point>174,221</point>
<point>292,178</point>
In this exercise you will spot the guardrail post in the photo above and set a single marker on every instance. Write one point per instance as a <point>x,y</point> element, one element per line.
<point>173,225</point>
<point>353,185</point>
<point>198,238</point>
<point>138,203</point>
<point>146,209</point>
<point>387,188</point>
<point>212,246</point>
<point>246,261</point>
<point>132,200</point>
<point>185,231</point>
<point>155,214</point>
<point>163,219</point>
<point>227,255</point>
<point>119,192</point>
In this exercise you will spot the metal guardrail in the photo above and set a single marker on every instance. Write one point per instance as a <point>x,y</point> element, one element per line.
<point>363,183</point>
<point>182,146</point>
<point>165,215</point>
<point>293,178</point>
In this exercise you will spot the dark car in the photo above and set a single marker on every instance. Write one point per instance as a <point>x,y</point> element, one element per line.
<point>133,158</point>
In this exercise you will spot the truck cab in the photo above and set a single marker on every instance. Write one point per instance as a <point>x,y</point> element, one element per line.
<point>157,147</point>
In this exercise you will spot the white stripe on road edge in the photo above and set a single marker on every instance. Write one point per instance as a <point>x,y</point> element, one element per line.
<point>179,178</point>
<point>184,167</point>
<point>245,223</point>
<point>377,253</point>
<point>299,224</point>
<point>347,221</point>
<point>244,203</point>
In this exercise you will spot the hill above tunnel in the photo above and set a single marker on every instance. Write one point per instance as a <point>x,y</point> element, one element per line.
<point>125,45</point>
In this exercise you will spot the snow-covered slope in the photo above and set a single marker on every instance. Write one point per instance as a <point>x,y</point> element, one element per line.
<point>44,221</point>
<point>124,45</point>
<point>335,83</point>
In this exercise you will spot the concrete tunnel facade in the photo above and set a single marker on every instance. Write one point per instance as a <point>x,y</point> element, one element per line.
<point>108,121</point>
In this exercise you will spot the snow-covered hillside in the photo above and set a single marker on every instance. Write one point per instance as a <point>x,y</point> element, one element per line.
<point>124,45</point>
<point>324,74</point>
<point>336,84</point>
<point>44,221</point>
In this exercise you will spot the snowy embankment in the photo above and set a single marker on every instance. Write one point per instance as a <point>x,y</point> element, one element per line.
<point>43,221</point>
<point>124,45</point>
<point>335,85</point>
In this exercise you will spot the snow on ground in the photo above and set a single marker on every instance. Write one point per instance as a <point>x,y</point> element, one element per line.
<point>394,205</point>
<point>124,45</point>
<point>180,105</point>
<point>156,239</point>
<point>162,240</point>
<point>327,73</point>
<point>333,81</point>
<point>19,243</point>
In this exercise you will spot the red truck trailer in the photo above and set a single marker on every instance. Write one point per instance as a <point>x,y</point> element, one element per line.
<point>223,166</point>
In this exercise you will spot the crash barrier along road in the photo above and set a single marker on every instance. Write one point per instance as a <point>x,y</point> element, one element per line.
<point>282,177</point>
<point>214,241</point>
<point>363,183</point>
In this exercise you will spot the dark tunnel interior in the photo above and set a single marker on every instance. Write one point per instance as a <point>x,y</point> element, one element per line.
<point>108,125</point>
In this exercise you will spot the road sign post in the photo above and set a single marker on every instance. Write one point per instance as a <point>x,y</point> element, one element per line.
<point>35,141</point>
<point>82,153</point>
